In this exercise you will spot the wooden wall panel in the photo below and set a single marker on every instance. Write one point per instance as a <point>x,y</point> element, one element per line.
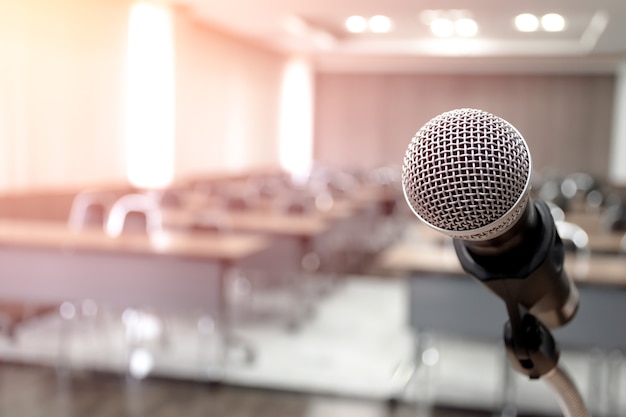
<point>367,120</point>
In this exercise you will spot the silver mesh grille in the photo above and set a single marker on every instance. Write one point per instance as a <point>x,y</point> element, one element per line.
<point>466,172</point>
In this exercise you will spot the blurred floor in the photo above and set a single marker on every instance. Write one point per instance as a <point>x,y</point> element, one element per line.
<point>355,350</point>
<point>28,390</point>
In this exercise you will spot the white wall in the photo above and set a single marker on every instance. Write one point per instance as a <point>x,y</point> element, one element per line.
<point>62,85</point>
<point>228,97</point>
<point>617,163</point>
<point>61,77</point>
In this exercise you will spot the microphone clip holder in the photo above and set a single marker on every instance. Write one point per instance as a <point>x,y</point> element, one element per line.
<point>532,351</point>
<point>530,346</point>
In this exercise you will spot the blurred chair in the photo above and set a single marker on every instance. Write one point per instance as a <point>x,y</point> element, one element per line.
<point>575,241</point>
<point>215,220</point>
<point>90,209</point>
<point>295,202</point>
<point>171,198</point>
<point>15,313</point>
<point>139,213</point>
<point>551,192</point>
<point>574,237</point>
<point>581,182</point>
<point>269,187</point>
<point>237,203</point>
<point>136,213</point>
<point>583,190</point>
<point>615,216</point>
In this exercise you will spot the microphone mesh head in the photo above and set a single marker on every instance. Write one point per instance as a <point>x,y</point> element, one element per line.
<point>467,173</point>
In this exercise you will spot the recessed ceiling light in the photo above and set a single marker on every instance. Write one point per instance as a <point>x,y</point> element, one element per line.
<point>380,24</point>
<point>442,27</point>
<point>356,24</point>
<point>552,22</point>
<point>466,27</point>
<point>526,22</point>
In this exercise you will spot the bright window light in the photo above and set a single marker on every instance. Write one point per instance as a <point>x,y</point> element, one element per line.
<point>380,24</point>
<point>466,27</point>
<point>526,22</point>
<point>356,24</point>
<point>442,27</point>
<point>552,22</point>
<point>149,131</point>
<point>296,119</point>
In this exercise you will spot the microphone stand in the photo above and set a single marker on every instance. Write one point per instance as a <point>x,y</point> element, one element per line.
<point>520,276</point>
<point>532,351</point>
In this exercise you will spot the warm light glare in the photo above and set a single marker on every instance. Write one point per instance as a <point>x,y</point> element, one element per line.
<point>447,23</point>
<point>294,25</point>
<point>141,363</point>
<point>296,118</point>
<point>380,24</point>
<point>526,22</point>
<point>442,27</point>
<point>150,97</point>
<point>552,22</point>
<point>466,27</point>
<point>356,24</point>
<point>430,357</point>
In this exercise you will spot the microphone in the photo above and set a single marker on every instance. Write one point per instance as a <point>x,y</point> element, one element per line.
<point>467,174</point>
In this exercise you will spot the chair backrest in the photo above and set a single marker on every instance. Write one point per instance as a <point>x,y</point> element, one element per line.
<point>615,216</point>
<point>573,236</point>
<point>172,198</point>
<point>134,212</point>
<point>90,208</point>
<point>575,241</point>
<point>296,203</point>
<point>212,221</point>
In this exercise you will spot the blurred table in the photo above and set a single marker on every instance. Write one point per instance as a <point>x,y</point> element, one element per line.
<point>591,222</point>
<point>302,237</point>
<point>46,262</point>
<point>607,242</point>
<point>409,258</point>
<point>600,238</point>
<point>445,298</point>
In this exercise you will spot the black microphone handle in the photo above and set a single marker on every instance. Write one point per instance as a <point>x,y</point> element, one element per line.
<point>529,273</point>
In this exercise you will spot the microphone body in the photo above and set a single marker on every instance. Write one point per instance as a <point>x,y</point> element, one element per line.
<point>527,269</point>
<point>466,173</point>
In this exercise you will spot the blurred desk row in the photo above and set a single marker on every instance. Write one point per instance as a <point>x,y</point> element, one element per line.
<point>183,256</point>
<point>408,258</point>
<point>445,298</point>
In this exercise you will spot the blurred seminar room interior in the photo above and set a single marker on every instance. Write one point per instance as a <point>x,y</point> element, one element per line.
<point>202,210</point>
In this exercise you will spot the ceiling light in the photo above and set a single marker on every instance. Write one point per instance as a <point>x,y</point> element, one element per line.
<point>526,22</point>
<point>442,28</point>
<point>466,27</point>
<point>380,24</point>
<point>356,24</point>
<point>552,22</point>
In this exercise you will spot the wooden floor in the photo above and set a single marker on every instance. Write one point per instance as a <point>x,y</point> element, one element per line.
<point>27,390</point>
